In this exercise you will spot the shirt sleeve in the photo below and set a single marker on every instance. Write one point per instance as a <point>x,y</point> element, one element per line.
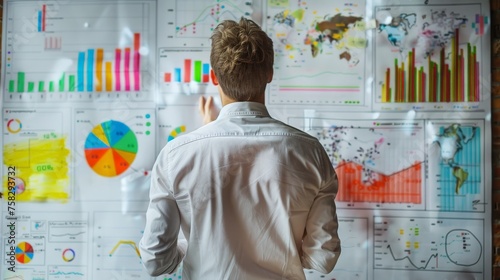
<point>160,252</point>
<point>321,243</point>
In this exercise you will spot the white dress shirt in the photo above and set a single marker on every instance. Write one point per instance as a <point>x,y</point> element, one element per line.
<point>253,196</point>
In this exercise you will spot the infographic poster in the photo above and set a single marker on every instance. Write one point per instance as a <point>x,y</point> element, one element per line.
<point>319,52</point>
<point>380,164</point>
<point>36,154</point>
<point>189,23</point>
<point>55,52</point>
<point>456,164</point>
<point>403,245</point>
<point>110,144</point>
<point>431,57</point>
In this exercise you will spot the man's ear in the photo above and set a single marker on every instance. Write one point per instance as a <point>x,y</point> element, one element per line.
<point>270,77</point>
<point>213,78</point>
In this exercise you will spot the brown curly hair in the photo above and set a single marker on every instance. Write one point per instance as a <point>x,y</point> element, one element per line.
<point>242,58</point>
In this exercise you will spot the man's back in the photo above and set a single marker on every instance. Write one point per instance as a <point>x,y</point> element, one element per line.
<point>245,186</point>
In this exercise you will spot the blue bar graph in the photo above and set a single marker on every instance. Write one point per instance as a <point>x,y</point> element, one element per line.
<point>80,71</point>
<point>90,68</point>
<point>40,17</point>
<point>177,75</point>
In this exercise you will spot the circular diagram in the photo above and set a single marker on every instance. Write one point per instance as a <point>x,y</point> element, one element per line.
<point>68,255</point>
<point>19,187</point>
<point>14,126</point>
<point>110,148</point>
<point>24,252</point>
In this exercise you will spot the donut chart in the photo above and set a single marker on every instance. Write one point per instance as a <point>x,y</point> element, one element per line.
<point>14,126</point>
<point>68,255</point>
<point>24,252</point>
<point>110,148</point>
<point>175,132</point>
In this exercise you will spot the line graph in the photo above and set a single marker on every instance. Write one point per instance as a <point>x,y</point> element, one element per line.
<point>130,243</point>
<point>199,22</point>
<point>68,231</point>
<point>412,244</point>
<point>56,272</point>
<point>116,236</point>
<point>433,256</point>
<point>191,22</point>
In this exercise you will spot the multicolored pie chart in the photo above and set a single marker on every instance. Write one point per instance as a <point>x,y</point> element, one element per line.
<point>24,252</point>
<point>110,148</point>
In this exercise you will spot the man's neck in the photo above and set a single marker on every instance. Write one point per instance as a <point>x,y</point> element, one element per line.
<point>227,100</point>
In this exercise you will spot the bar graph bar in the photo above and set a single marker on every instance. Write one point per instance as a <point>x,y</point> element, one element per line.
<point>20,81</point>
<point>118,57</point>
<point>177,74</point>
<point>187,70</point>
<point>41,86</point>
<point>31,86</point>
<point>109,76</point>
<point>98,69</point>
<point>71,83</point>
<point>61,83</point>
<point>94,73</point>
<point>453,79</point>
<point>167,77</point>
<point>137,61</point>
<point>80,71</point>
<point>90,67</point>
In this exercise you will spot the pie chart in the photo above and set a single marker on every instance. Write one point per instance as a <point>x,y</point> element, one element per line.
<point>24,252</point>
<point>110,148</point>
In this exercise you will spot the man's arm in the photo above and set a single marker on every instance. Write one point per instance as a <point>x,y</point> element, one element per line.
<point>160,252</point>
<point>321,243</point>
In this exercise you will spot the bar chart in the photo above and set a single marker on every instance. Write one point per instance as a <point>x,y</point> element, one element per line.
<point>184,73</point>
<point>430,59</point>
<point>442,82</point>
<point>69,57</point>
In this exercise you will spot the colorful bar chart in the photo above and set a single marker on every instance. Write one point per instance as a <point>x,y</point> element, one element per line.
<point>193,71</point>
<point>453,79</point>
<point>93,72</point>
<point>185,72</point>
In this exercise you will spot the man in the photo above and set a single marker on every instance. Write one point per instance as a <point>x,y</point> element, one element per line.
<point>254,197</point>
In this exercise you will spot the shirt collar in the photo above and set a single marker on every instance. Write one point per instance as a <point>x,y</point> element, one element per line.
<point>245,108</point>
